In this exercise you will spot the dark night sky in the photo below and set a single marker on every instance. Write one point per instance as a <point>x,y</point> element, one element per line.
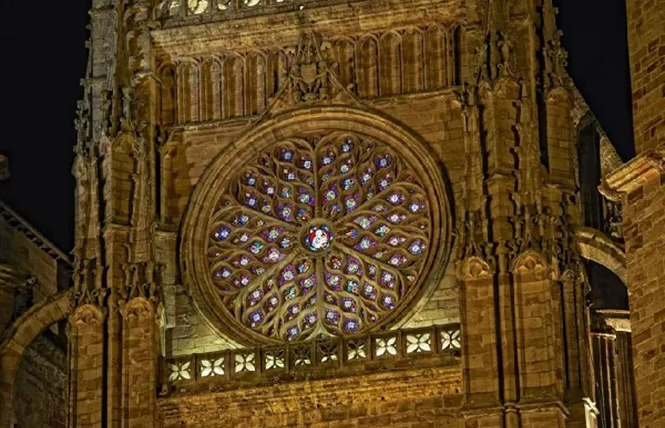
<point>43,59</point>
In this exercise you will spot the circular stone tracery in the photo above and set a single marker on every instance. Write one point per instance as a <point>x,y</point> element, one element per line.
<point>320,236</point>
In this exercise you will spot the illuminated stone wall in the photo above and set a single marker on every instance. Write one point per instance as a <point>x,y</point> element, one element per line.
<point>182,95</point>
<point>638,185</point>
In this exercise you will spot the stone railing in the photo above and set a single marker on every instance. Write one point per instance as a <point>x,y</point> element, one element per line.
<point>315,359</point>
<point>210,10</point>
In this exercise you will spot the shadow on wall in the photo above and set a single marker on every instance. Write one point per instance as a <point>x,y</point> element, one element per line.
<point>607,289</point>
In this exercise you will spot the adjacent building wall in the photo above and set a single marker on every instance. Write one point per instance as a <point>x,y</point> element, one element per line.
<point>640,185</point>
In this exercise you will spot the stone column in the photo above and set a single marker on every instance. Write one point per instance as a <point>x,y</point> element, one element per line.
<point>481,370</point>
<point>613,368</point>
<point>139,368</point>
<point>86,350</point>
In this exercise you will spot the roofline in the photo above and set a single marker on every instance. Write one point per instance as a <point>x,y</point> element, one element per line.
<point>32,234</point>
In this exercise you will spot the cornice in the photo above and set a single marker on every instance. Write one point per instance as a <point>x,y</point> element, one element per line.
<point>646,167</point>
<point>617,319</point>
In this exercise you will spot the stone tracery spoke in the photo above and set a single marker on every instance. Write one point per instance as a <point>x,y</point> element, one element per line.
<point>244,294</point>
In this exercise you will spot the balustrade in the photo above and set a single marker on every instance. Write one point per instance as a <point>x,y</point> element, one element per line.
<point>395,348</point>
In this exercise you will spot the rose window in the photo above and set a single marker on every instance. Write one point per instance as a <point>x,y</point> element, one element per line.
<point>320,236</point>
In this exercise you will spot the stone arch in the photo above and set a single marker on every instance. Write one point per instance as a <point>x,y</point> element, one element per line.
<point>20,335</point>
<point>530,262</point>
<point>255,83</point>
<point>188,90</point>
<point>390,61</point>
<point>233,81</point>
<point>412,60</point>
<point>437,64</point>
<point>596,246</point>
<point>474,268</point>
<point>344,52</point>
<point>368,67</point>
<point>168,98</point>
<point>211,88</point>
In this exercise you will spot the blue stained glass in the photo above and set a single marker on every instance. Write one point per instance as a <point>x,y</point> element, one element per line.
<point>222,233</point>
<point>310,319</point>
<point>256,317</point>
<point>293,332</point>
<point>332,316</point>
<point>350,326</point>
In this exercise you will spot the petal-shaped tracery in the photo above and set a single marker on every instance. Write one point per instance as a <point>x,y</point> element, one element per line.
<point>320,236</point>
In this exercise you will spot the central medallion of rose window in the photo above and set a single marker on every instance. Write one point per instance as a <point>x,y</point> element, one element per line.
<point>323,236</point>
<point>318,238</point>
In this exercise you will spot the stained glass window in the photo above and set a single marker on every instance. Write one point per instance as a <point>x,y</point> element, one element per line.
<point>320,236</point>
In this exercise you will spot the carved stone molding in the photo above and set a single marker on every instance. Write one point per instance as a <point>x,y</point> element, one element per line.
<point>530,262</point>
<point>617,320</point>
<point>138,309</point>
<point>88,315</point>
<point>644,168</point>
<point>474,268</point>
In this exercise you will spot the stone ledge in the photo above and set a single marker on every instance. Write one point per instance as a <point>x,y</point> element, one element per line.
<point>631,176</point>
<point>391,351</point>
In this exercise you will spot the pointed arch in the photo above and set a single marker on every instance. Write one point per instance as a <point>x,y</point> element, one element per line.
<point>596,246</point>
<point>233,76</point>
<point>412,60</point>
<point>529,263</point>
<point>390,60</point>
<point>211,88</point>
<point>188,91</point>
<point>474,268</point>
<point>256,83</point>
<point>344,53</point>
<point>276,67</point>
<point>436,64</point>
<point>167,78</point>
<point>368,67</point>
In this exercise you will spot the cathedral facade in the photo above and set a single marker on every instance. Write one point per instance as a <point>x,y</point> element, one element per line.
<point>325,213</point>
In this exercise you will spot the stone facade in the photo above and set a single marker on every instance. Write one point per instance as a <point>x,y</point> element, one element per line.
<point>464,298</point>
